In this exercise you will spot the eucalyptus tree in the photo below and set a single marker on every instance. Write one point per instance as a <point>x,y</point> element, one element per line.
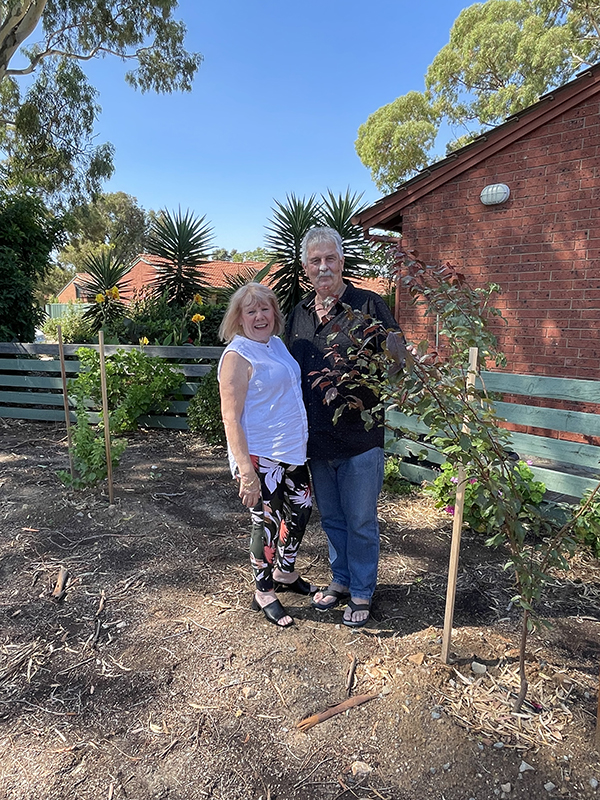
<point>501,56</point>
<point>48,108</point>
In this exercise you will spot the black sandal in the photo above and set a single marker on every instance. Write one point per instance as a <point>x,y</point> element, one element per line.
<point>354,607</point>
<point>300,586</point>
<point>338,597</point>
<point>273,612</point>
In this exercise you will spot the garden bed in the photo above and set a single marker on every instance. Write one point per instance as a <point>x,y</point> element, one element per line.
<point>151,677</point>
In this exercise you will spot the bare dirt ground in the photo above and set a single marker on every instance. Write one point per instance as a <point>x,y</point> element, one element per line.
<point>151,677</point>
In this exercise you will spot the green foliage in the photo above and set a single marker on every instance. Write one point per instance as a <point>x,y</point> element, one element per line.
<point>164,324</point>
<point>136,384</point>
<point>204,410</point>
<point>75,328</point>
<point>258,254</point>
<point>110,220</point>
<point>397,138</point>
<point>285,232</point>
<point>184,241</point>
<point>393,480</point>
<point>587,523</point>
<point>481,512</point>
<point>89,452</point>
<point>53,282</point>
<point>291,221</point>
<point>501,57</point>
<point>47,132</point>
<point>28,234</point>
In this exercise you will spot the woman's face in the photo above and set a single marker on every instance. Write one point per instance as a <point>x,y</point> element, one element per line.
<point>258,320</point>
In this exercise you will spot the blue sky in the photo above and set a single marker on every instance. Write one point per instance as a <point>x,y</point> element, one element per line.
<point>275,108</point>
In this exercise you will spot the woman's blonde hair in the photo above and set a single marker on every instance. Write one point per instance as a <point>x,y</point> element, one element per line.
<point>248,295</point>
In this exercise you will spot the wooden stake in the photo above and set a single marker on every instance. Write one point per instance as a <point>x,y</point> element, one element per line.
<point>63,375</point>
<point>105,417</point>
<point>459,506</point>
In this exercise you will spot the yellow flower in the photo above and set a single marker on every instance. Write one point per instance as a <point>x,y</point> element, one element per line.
<point>198,299</point>
<point>115,293</point>
<point>99,298</point>
<point>144,341</point>
<point>198,318</point>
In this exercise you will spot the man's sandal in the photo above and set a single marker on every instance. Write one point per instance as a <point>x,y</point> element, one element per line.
<point>338,597</point>
<point>354,607</point>
<point>300,586</point>
<point>273,612</point>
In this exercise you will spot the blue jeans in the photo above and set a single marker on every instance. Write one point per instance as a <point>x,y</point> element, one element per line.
<point>346,491</point>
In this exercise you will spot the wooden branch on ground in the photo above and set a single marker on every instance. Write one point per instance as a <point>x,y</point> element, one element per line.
<point>310,722</point>
<point>61,584</point>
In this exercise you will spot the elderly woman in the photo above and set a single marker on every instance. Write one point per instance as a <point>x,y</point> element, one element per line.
<point>265,424</point>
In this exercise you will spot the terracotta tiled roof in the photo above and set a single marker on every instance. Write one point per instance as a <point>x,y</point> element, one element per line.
<point>215,273</point>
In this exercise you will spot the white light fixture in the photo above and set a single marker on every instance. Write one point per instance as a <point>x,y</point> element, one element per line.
<point>494,194</point>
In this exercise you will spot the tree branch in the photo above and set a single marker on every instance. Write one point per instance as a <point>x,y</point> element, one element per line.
<point>16,29</point>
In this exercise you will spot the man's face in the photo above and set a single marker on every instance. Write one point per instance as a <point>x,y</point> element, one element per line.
<point>324,269</point>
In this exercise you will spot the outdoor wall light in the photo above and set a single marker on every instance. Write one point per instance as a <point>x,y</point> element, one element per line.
<point>494,194</point>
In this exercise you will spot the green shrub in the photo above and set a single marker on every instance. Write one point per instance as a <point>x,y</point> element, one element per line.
<point>164,324</point>
<point>75,329</point>
<point>136,384</point>
<point>89,452</point>
<point>587,526</point>
<point>480,508</point>
<point>204,410</point>
<point>393,481</point>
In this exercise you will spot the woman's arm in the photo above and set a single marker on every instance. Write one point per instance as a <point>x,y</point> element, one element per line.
<point>233,388</point>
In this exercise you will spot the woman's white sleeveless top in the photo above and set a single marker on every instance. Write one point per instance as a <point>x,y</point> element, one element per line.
<point>274,417</point>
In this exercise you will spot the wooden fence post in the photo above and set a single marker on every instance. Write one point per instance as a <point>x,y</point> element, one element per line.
<point>63,375</point>
<point>105,417</point>
<point>457,528</point>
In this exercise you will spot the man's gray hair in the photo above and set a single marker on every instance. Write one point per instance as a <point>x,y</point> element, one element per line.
<point>321,235</point>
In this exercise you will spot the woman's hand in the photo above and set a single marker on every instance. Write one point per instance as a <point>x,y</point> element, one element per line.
<point>249,490</point>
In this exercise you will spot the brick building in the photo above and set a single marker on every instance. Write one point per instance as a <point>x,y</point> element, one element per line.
<point>143,271</point>
<point>215,274</point>
<point>541,244</point>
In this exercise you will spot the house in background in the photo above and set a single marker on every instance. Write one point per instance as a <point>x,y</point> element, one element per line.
<point>215,274</point>
<point>519,206</point>
<point>144,270</point>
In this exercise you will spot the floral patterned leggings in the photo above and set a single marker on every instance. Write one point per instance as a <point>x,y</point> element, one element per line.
<point>279,519</point>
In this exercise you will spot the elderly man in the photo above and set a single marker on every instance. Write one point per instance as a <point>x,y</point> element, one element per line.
<point>346,460</point>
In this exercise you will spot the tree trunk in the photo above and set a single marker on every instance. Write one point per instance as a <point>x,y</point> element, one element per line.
<point>20,22</point>
<point>524,684</point>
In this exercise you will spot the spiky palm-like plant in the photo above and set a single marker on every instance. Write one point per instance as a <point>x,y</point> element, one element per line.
<point>337,212</point>
<point>290,223</point>
<point>185,242</point>
<point>103,286</point>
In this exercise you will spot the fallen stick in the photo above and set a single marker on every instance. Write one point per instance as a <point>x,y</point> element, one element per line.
<point>310,722</point>
<point>61,582</point>
<point>350,678</point>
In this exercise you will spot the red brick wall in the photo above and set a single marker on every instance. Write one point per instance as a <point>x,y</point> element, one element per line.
<point>542,246</point>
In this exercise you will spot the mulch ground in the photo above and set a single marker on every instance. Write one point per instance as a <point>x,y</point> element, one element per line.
<point>148,676</point>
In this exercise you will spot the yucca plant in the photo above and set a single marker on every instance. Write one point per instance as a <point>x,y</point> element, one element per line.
<point>290,223</point>
<point>185,242</point>
<point>104,284</point>
<point>337,212</point>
